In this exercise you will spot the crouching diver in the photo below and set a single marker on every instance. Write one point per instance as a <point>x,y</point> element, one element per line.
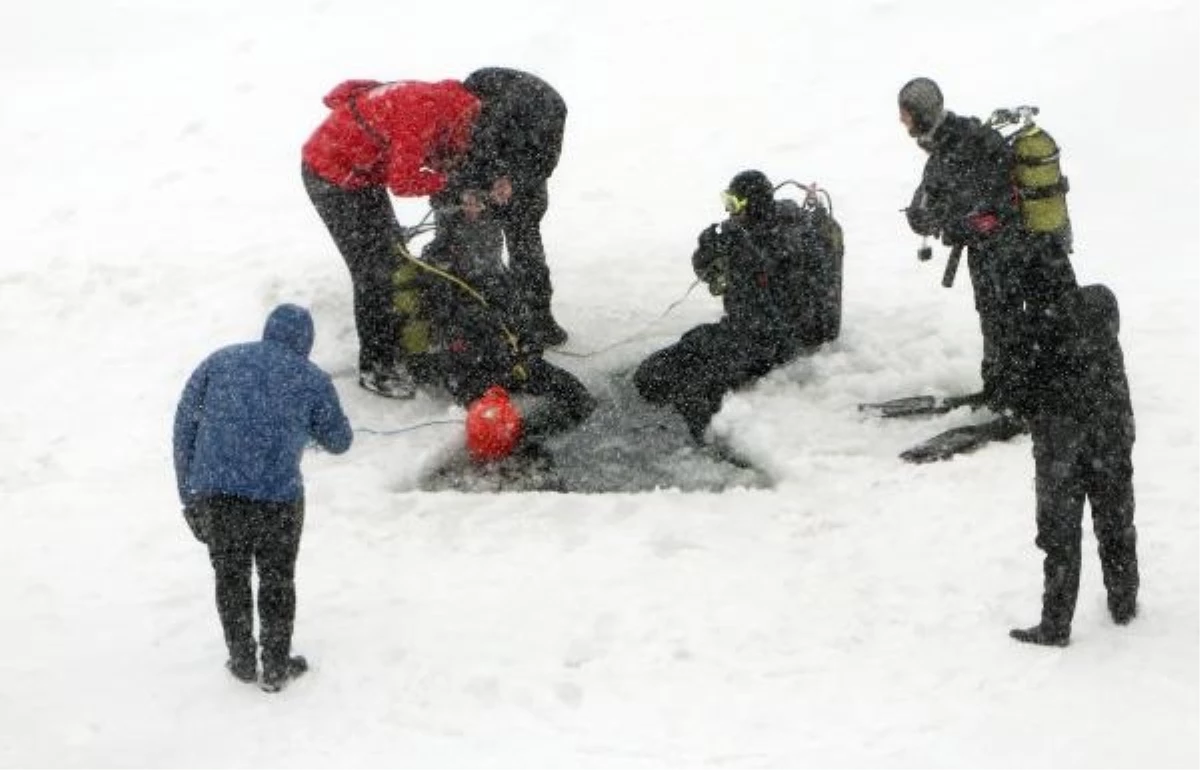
<point>459,310</point>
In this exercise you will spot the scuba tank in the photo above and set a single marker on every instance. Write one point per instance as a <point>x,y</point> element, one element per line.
<point>1037,176</point>
<point>826,248</point>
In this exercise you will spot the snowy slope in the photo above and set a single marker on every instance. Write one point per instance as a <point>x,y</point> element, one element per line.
<point>854,615</point>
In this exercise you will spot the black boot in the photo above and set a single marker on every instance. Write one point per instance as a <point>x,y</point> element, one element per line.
<point>1122,609</point>
<point>1119,561</point>
<point>697,413</point>
<point>1048,636</point>
<point>1058,603</point>
<point>242,669</point>
<point>275,677</point>
<point>543,331</point>
<point>388,381</point>
<point>697,429</point>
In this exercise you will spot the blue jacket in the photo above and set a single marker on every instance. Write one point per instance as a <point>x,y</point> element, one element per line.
<point>248,411</point>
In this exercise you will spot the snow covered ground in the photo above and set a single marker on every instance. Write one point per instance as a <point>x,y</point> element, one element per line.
<point>856,614</point>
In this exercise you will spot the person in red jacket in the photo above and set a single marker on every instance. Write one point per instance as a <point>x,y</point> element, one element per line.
<point>402,137</point>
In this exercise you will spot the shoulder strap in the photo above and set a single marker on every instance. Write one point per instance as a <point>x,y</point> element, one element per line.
<point>368,129</point>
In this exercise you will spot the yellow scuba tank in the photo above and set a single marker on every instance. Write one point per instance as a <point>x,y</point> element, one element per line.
<point>1038,178</point>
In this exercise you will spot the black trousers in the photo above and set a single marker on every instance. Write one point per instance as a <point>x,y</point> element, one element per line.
<point>521,221</point>
<point>694,374</point>
<point>244,534</point>
<point>364,229</point>
<point>1078,461</point>
<point>994,307</point>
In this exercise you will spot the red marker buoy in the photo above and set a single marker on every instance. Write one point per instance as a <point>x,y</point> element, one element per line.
<point>493,426</point>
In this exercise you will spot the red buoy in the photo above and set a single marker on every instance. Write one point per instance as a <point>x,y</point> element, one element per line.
<point>493,426</point>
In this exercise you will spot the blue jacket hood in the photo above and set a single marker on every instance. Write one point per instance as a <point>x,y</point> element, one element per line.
<point>290,325</point>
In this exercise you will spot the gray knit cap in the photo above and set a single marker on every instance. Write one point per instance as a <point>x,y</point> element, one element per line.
<point>922,99</point>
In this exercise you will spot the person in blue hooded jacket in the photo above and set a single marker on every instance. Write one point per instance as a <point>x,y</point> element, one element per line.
<point>243,421</point>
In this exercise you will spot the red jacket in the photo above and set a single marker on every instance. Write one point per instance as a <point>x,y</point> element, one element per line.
<point>404,135</point>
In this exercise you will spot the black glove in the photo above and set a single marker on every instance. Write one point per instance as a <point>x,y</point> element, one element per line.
<point>708,238</point>
<point>196,517</point>
<point>920,219</point>
<point>710,261</point>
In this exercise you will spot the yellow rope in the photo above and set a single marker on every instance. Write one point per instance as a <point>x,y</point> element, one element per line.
<point>402,250</point>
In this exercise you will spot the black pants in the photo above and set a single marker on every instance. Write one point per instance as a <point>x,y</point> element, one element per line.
<point>244,534</point>
<point>364,229</point>
<point>694,374</point>
<point>1078,461</point>
<point>521,221</point>
<point>994,306</point>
